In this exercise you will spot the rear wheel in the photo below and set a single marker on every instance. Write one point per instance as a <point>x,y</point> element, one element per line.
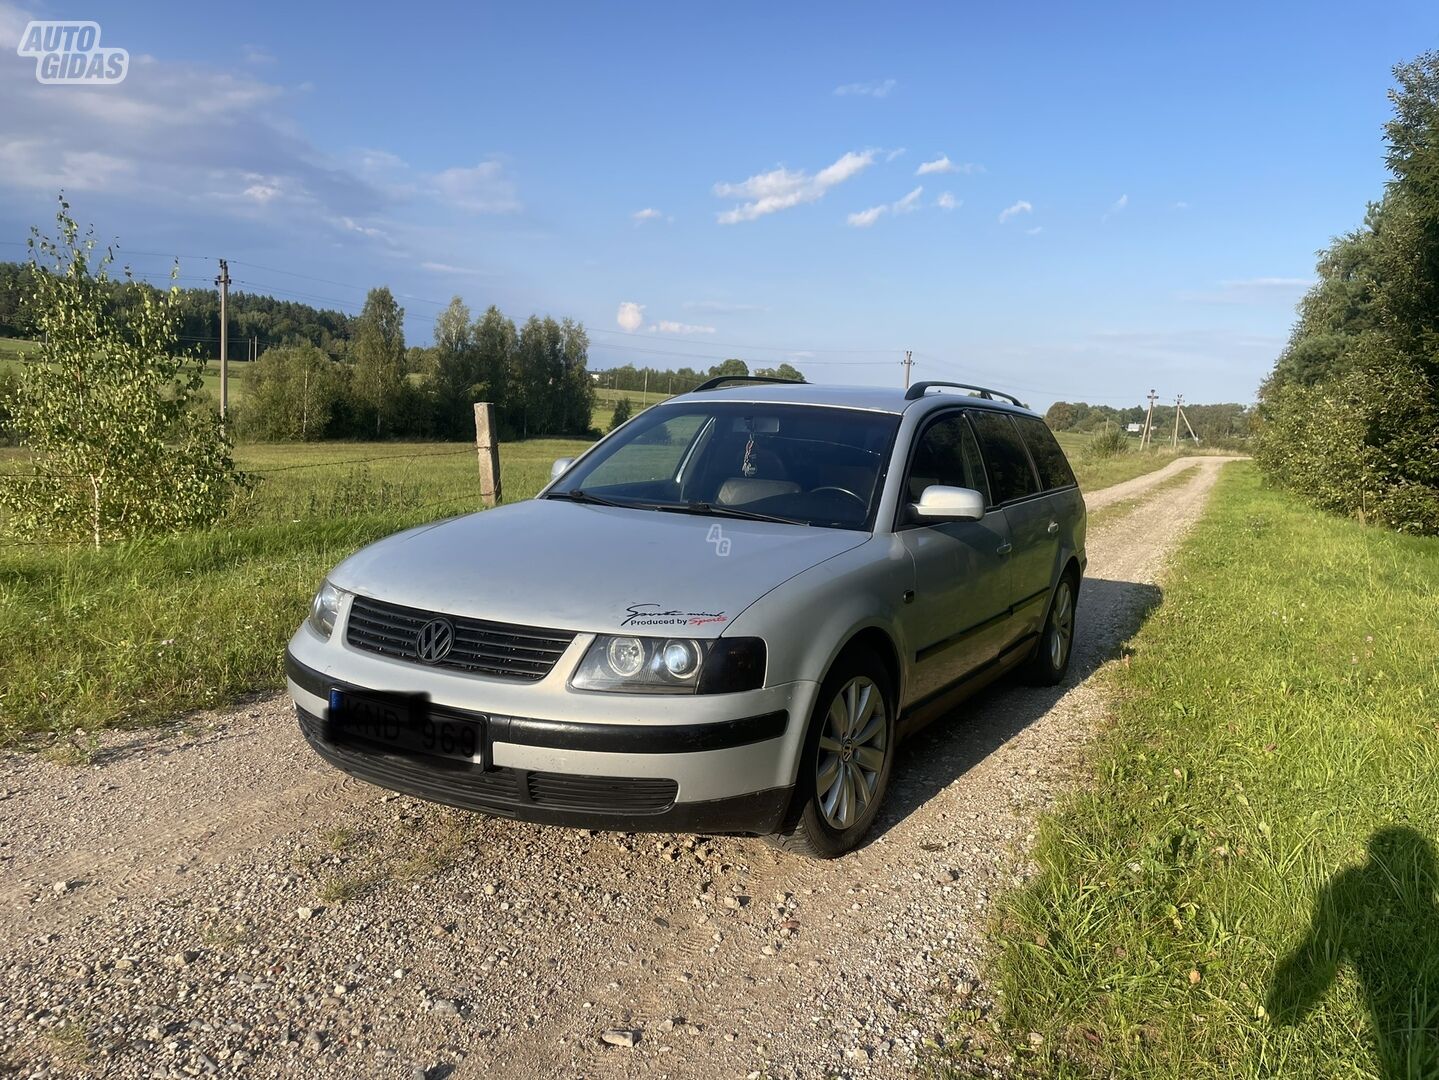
<point>846,761</point>
<point>1050,661</point>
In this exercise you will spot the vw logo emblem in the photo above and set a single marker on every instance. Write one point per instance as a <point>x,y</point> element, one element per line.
<point>435,640</point>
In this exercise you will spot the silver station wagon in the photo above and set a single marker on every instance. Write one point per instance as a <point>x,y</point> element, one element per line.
<point>723,617</point>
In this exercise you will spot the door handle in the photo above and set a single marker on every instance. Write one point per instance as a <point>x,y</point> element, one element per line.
<point>1004,548</point>
<point>1053,527</point>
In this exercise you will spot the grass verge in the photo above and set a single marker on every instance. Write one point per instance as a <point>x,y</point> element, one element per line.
<point>1248,886</point>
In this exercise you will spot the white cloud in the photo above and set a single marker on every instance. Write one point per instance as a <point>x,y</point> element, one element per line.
<point>649,213</point>
<point>1181,205</point>
<point>781,188</point>
<point>1034,231</point>
<point>447,268</point>
<point>908,203</point>
<point>863,219</point>
<point>1258,291</point>
<point>349,224</point>
<point>721,306</point>
<point>480,189</point>
<point>878,88</point>
<point>942,164</point>
<point>1021,207</point>
<point>262,192</point>
<point>631,316</point>
<point>897,152</point>
<point>668,326</point>
<point>946,201</point>
<point>181,148</point>
<point>1116,207</point>
<point>255,54</point>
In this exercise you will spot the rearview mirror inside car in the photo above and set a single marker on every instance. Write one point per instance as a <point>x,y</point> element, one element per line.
<point>941,503</point>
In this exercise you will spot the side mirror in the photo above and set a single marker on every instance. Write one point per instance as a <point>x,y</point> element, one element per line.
<point>558,468</point>
<point>940,503</point>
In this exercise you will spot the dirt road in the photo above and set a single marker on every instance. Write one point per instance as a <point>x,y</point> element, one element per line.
<point>216,901</point>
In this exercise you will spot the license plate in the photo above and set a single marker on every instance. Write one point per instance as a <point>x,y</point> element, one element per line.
<point>405,723</point>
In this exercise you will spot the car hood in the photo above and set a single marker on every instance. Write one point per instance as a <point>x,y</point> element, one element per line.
<point>564,565</point>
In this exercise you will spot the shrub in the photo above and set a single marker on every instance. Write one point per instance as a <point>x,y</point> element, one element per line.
<point>1364,443</point>
<point>623,411</point>
<point>1111,442</point>
<point>291,395</point>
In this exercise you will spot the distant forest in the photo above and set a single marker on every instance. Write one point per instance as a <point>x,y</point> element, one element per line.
<point>1227,422</point>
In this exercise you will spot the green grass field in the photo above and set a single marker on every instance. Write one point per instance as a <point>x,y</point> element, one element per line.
<point>142,632</point>
<point>11,349</point>
<point>1247,887</point>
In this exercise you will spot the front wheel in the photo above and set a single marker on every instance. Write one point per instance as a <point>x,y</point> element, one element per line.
<point>846,762</point>
<point>1050,662</point>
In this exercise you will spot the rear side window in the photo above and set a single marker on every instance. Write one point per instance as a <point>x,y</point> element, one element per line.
<point>1049,459</point>
<point>947,454</point>
<point>1010,474</point>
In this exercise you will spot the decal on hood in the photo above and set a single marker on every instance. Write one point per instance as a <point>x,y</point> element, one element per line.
<point>657,615</point>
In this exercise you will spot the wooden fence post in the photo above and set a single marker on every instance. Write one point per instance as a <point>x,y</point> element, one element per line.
<point>489,450</point>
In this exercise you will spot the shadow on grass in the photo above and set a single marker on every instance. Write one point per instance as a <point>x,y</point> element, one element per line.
<point>1109,613</point>
<point>1379,919</point>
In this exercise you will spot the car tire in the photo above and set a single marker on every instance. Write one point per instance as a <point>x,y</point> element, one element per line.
<point>846,761</point>
<point>1049,663</point>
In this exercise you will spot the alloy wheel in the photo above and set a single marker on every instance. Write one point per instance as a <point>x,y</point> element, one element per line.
<point>851,753</point>
<point>1061,625</point>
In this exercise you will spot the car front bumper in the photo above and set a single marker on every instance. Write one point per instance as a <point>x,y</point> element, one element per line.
<point>729,770</point>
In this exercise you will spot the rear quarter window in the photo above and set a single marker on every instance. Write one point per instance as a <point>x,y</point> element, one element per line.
<point>1049,459</point>
<point>1010,474</point>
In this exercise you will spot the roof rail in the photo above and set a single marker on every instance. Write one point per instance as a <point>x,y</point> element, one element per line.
<point>917,391</point>
<point>724,380</point>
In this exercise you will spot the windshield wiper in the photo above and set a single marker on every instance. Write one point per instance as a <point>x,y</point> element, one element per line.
<point>710,509</point>
<point>580,496</point>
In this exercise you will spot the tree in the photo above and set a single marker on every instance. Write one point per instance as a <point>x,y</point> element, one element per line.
<point>784,371</point>
<point>378,353</point>
<point>291,392</point>
<point>729,367</point>
<point>623,411</point>
<point>1060,416</point>
<point>1350,414</point>
<point>457,382</point>
<point>108,411</point>
<point>496,342</point>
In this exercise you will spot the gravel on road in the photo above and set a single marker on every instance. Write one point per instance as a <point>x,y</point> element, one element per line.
<point>212,900</point>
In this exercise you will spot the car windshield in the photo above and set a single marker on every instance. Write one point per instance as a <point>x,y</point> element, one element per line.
<point>804,464</point>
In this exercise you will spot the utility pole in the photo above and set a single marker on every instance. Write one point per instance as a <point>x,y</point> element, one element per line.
<point>1148,421</point>
<point>1190,427</point>
<point>1178,412</point>
<point>908,363</point>
<point>223,281</point>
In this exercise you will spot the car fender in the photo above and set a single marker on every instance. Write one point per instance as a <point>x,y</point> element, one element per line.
<point>807,621</point>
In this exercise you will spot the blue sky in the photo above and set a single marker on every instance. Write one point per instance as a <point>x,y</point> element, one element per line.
<point>1072,203</point>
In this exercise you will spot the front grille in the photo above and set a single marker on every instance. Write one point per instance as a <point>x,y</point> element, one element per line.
<point>505,791</point>
<point>486,648</point>
<point>637,795</point>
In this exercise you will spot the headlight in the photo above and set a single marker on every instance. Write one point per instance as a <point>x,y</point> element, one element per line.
<point>324,608</point>
<point>649,665</point>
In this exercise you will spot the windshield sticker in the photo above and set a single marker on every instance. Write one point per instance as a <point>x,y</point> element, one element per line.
<point>655,615</point>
